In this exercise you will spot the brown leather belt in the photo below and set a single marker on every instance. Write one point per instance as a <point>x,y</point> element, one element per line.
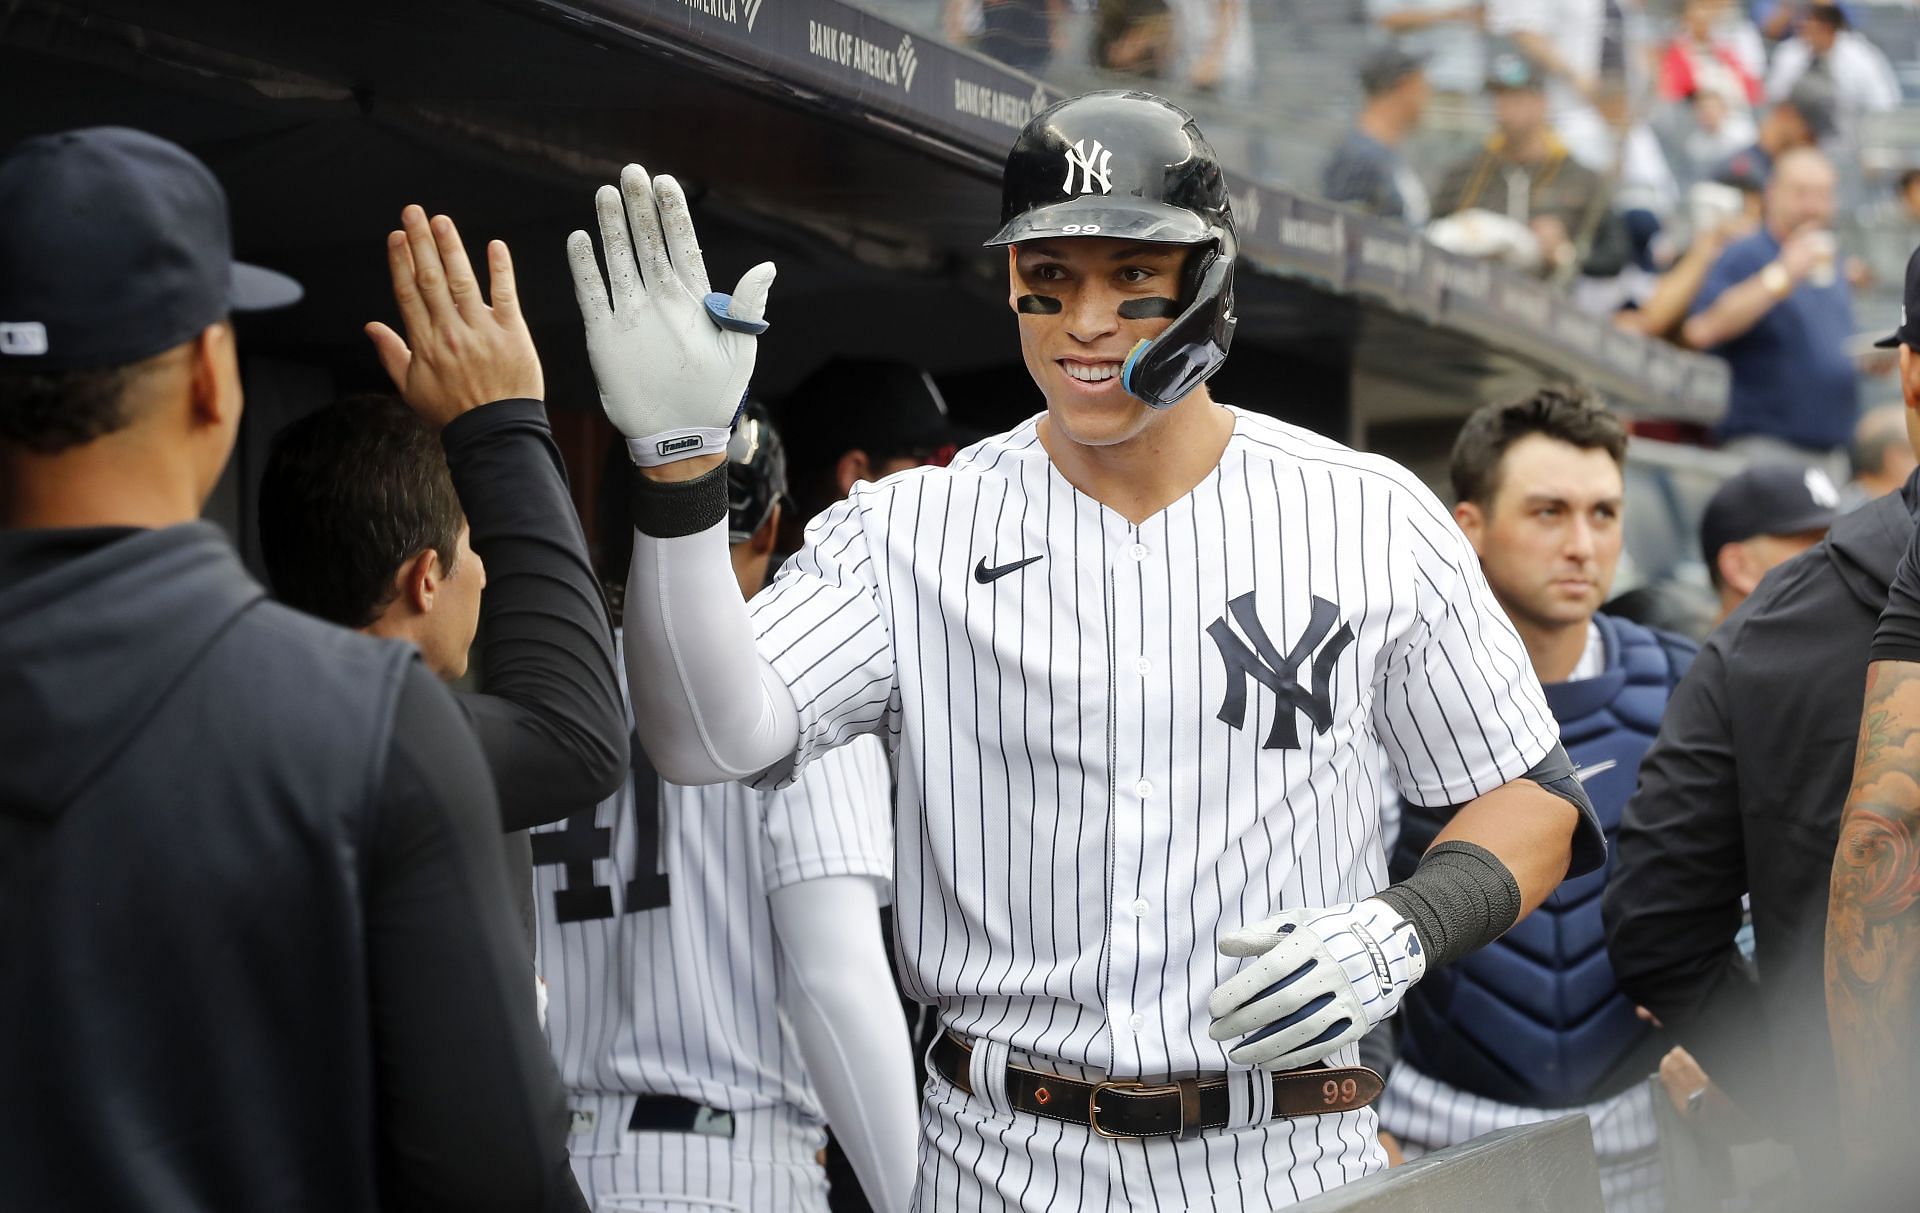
<point>1183,1108</point>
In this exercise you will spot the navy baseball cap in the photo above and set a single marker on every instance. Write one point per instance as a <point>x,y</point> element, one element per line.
<point>1907,333</point>
<point>1768,499</point>
<point>114,246</point>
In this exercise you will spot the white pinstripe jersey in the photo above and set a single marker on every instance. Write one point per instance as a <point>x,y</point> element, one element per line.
<point>1146,734</point>
<point>655,933</point>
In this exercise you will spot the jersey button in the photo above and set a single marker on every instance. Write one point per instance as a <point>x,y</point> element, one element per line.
<point>1140,908</point>
<point>1145,789</point>
<point>1138,551</point>
<point>1136,1021</point>
<point>1143,665</point>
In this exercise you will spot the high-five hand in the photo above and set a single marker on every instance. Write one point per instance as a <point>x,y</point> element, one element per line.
<point>1319,979</point>
<point>460,351</point>
<point>672,357</point>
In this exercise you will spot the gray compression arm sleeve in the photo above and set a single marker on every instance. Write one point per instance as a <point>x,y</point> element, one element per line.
<point>852,1032</point>
<point>1461,898</point>
<point>706,707</point>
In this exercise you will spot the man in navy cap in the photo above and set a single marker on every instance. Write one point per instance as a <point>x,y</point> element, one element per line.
<point>257,947</point>
<point>1760,518</point>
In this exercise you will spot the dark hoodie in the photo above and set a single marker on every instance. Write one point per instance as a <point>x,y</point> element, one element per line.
<point>256,945</point>
<point>1741,794</point>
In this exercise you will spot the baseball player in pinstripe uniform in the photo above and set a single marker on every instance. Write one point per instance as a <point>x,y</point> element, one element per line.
<point>719,985</point>
<point>1139,662</point>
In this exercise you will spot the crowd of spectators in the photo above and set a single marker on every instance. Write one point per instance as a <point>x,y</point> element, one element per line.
<point>1682,173</point>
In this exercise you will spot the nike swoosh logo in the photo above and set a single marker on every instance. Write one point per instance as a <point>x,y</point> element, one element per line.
<point>1585,773</point>
<point>983,574</point>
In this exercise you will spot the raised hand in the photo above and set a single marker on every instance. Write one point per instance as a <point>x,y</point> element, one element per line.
<point>461,351</point>
<point>671,357</point>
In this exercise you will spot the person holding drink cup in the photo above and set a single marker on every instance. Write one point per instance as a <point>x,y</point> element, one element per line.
<point>1778,308</point>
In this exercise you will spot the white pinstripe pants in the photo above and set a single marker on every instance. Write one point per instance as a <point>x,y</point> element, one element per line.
<point>979,1155</point>
<point>769,1165</point>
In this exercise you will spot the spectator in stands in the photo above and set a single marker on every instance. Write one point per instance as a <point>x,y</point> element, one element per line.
<point>1719,126</point>
<point>1803,119</point>
<point>1612,139</point>
<point>1740,799</point>
<point>1715,227</point>
<point>1562,39</point>
<point>1134,37</point>
<point>1909,189</point>
<point>1862,79</point>
<point>1711,52</point>
<point>1881,456</point>
<point>1023,34</point>
<point>1213,45</point>
<point>1525,172</point>
<point>1368,169</point>
<point>1760,518</point>
<point>1534,1026</point>
<point>1446,35</point>
<point>1778,309</point>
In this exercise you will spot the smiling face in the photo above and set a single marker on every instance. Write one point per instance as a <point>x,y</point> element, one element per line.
<point>1075,353</point>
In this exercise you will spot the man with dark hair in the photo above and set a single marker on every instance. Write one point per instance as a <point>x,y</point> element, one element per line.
<point>1368,169</point>
<point>361,522</point>
<point>255,943</point>
<point>1825,47</point>
<point>337,560</point>
<point>1534,1026</point>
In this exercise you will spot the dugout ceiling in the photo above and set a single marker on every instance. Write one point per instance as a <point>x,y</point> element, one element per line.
<point>860,156</point>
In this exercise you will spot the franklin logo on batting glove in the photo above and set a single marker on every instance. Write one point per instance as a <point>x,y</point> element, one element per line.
<point>672,363</point>
<point>1320,980</point>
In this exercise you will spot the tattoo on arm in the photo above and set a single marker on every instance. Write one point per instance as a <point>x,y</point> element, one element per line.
<point>1873,918</point>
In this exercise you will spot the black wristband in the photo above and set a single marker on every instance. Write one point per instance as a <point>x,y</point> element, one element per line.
<point>1460,899</point>
<point>682,507</point>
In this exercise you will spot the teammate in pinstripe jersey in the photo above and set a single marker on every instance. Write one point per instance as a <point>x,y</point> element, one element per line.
<point>718,981</point>
<point>1139,662</point>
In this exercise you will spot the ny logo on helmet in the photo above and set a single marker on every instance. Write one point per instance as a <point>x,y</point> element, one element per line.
<point>1279,673</point>
<point>1092,167</point>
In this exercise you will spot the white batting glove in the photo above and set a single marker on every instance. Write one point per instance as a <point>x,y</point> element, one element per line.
<point>672,358</point>
<point>1320,979</point>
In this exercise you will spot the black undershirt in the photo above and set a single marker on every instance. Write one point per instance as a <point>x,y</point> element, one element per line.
<point>550,720</point>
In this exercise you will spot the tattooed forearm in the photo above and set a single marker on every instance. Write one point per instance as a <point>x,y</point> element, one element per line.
<point>1873,920</point>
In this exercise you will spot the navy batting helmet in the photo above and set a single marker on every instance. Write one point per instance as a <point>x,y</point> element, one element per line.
<point>1133,166</point>
<point>756,472</point>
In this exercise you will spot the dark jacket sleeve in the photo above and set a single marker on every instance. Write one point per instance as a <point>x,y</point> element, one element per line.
<point>471,1114</point>
<point>1672,904</point>
<point>550,721</point>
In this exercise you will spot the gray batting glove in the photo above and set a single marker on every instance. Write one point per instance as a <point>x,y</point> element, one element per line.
<point>672,358</point>
<point>1319,980</point>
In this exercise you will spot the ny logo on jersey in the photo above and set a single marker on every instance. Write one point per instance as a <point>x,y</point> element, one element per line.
<point>1092,167</point>
<point>1279,673</point>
